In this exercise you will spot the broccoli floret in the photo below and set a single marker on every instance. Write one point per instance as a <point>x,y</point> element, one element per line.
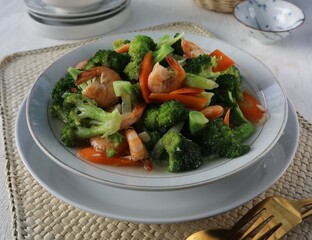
<point>233,70</point>
<point>184,154</point>
<point>228,83</point>
<point>120,42</point>
<point>167,40</point>
<point>139,46</point>
<point>109,58</point>
<point>243,132</point>
<point>85,119</point>
<point>202,66</point>
<point>62,87</point>
<point>165,115</point>
<point>161,53</point>
<point>218,139</point>
<point>177,45</point>
<point>74,72</point>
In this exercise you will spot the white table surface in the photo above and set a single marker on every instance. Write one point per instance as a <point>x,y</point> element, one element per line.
<point>290,60</point>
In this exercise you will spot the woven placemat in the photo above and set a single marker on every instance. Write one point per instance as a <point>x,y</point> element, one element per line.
<point>36,214</point>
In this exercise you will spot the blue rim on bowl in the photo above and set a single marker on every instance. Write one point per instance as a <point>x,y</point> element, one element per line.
<point>269,20</point>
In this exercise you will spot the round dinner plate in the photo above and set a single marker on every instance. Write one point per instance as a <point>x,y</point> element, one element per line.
<point>51,20</point>
<point>86,29</point>
<point>257,78</point>
<point>158,206</point>
<point>39,7</point>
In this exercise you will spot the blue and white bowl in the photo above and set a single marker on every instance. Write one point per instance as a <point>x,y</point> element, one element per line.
<point>269,20</point>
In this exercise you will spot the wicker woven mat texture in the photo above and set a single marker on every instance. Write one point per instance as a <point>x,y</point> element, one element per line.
<point>36,214</point>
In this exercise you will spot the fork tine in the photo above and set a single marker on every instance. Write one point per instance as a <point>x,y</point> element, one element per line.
<point>268,231</point>
<point>248,217</point>
<point>305,203</point>
<point>307,213</point>
<point>262,218</point>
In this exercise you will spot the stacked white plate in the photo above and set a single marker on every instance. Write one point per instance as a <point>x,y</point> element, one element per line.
<point>58,23</point>
<point>133,194</point>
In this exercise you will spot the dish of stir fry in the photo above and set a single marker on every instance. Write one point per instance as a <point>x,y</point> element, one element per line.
<point>147,102</point>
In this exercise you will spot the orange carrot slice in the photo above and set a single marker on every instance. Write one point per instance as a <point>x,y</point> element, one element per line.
<point>91,155</point>
<point>188,90</point>
<point>227,117</point>
<point>213,112</point>
<point>192,102</point>
<point>251,107</point>
<point>123,49</point>
<point>224,62</point>
<point>145,70</point>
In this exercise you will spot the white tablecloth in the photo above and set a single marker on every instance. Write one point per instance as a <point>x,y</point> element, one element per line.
<point>290,60</point>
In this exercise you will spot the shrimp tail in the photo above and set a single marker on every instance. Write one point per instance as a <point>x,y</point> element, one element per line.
<point>178,69</point>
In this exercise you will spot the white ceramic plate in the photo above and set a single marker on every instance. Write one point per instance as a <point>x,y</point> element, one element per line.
<point>258,79</point>
<point>51,20</point>
<point>80,31</point>
<point>39,7</point>
<point>158,206</point>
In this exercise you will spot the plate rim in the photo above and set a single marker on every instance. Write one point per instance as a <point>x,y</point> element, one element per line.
<point>42,8</point>
<point>151,219</point>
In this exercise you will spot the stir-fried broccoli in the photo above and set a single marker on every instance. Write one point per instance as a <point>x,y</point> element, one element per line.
<point>139,46</point>
<point>229,89</point>
<point>61,88</point>
<point>167,45</point>
<point>233,70</point>
<point>161,53</point>
<point>166,39</point>
<point>177,45</point>
<point>202,66</point>
<point>109,58</point>
<point>184,154</point>
<point>218,139</point>
<point>165,115</point>
<point>120,42</point>
<point>85,120</point>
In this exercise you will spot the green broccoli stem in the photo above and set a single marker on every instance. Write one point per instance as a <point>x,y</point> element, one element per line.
<point>129,93</point>
<point>167,40</point>
<point>243,132</point>
<point>74,72</point>
<point>193,80</point>
<point>197,122</point>
<point>161,53</point>
<point>95,114</point>
<point>88,132</point>
<point>159,148</point>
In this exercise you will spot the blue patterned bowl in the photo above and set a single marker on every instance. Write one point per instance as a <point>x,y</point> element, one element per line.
<point>269,20</point>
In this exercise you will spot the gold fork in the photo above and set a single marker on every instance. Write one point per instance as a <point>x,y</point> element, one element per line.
<point>270,219</point>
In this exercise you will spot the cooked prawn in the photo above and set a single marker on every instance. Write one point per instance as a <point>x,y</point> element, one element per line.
<point>161,80</point>
<point>101,144</point>
<point>136,146</point>
<point>82,64</point>
<point>130,118</point>
<point>213,111</point>
<point>100,87</point>
<point>190,49</point>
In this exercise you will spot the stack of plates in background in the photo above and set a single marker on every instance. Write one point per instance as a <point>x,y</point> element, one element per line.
<point>59,23</point>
